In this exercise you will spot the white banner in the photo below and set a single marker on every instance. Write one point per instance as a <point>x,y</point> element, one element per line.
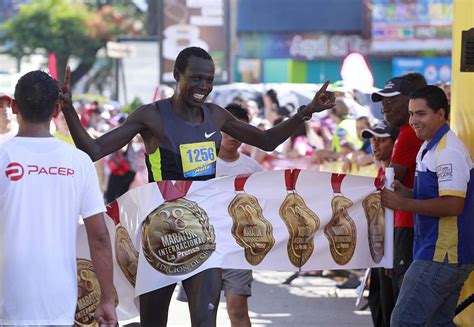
<point>281,220</point>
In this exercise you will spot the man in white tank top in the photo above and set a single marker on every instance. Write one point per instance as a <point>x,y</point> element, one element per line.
<point>46,185</point>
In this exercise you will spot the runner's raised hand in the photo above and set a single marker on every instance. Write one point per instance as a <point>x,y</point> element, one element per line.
<point>65,97</point>
<point>322,100</point>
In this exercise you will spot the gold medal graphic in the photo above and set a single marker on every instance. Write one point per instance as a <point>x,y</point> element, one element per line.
<point>88,295</point>
<point>250,228</point>
<point>301,222</point>
<point>375,214</point>
<point>177,237</point>
<point>341,231</point>
<point>125,253</point>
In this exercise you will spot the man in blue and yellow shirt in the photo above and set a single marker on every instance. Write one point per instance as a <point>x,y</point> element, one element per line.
<point>443,250</point>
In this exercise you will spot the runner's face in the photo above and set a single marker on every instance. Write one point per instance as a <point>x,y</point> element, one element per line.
<point>382,147</point>
<point>395,110</point>
<point>196,82</point>
<point>424,120</point>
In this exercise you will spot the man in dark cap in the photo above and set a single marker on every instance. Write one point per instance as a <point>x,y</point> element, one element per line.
<point>380,130</point>
<point>395,98</point>
<point>381,300</point>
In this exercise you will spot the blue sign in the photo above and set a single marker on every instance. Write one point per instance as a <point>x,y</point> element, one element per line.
<point>434,69</point>
<point>413,19</point>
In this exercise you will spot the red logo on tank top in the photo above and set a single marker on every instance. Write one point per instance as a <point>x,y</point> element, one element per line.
<point>15,171</point>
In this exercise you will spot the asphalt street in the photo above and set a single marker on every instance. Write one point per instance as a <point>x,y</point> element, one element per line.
<point>307,301</point>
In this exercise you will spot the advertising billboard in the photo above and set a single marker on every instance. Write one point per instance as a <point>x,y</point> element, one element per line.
<point>300,46</point>
<point>433,69</point>
<point>200,23</point>
<point>400,25</point>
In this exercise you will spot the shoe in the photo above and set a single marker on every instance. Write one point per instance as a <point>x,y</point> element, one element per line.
<point>336,273</point>
<point>350,283</point>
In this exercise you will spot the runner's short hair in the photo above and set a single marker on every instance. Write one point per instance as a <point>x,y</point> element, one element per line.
<point>238,111</point>
<point>183,57</point>
<point>36,95</point>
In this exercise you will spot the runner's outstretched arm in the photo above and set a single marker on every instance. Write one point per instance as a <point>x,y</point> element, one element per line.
<point>268,140</point>
<point>107,143</point>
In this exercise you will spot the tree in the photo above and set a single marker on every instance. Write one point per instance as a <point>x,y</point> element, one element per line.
<point>67,30</point>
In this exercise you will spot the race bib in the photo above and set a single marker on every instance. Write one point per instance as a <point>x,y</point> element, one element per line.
<point>199,159</point>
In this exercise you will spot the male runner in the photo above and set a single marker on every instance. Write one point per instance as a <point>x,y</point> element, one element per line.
<point>176,131</point>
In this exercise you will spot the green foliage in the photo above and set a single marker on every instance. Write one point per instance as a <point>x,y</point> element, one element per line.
<point>54,25</point>
<point>131,107</point>
<point>66,28</point>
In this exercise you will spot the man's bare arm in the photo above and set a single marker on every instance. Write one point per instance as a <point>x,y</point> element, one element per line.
<point>101,254</point>
<point>107,143</point>
<point>268,140</point>
<point>444,206</point>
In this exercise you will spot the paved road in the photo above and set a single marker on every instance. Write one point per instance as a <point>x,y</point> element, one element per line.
<point>308,301</point>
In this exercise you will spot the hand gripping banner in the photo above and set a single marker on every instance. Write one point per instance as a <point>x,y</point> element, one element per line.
<point>287,220</point>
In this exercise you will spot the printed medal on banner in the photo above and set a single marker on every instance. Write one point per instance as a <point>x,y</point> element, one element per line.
<point>250,229</point>
<point>177,237</point>
<point>301,222</point>
<point>375,214</point>
<point>125,253</point>
<point>341,230</point>
<point>88,293</point>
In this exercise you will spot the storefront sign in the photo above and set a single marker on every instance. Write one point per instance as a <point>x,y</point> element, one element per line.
<point>305,46</point>
<point>200,23</point>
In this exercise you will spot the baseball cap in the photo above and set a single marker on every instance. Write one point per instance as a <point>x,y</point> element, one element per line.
<point>380,130</point>
<point>5,95</point>
<point>393,87</point>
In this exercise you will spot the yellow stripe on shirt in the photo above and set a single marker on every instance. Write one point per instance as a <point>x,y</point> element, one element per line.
<point>447,242</point>
<point>461,194</point>
<point>155,163</point>
<point>442,143</point>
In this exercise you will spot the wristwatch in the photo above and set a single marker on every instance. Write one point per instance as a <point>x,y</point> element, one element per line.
<point>302,115</point>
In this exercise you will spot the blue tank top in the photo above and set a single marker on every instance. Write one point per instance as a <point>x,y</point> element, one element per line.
<point>187,151</point>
